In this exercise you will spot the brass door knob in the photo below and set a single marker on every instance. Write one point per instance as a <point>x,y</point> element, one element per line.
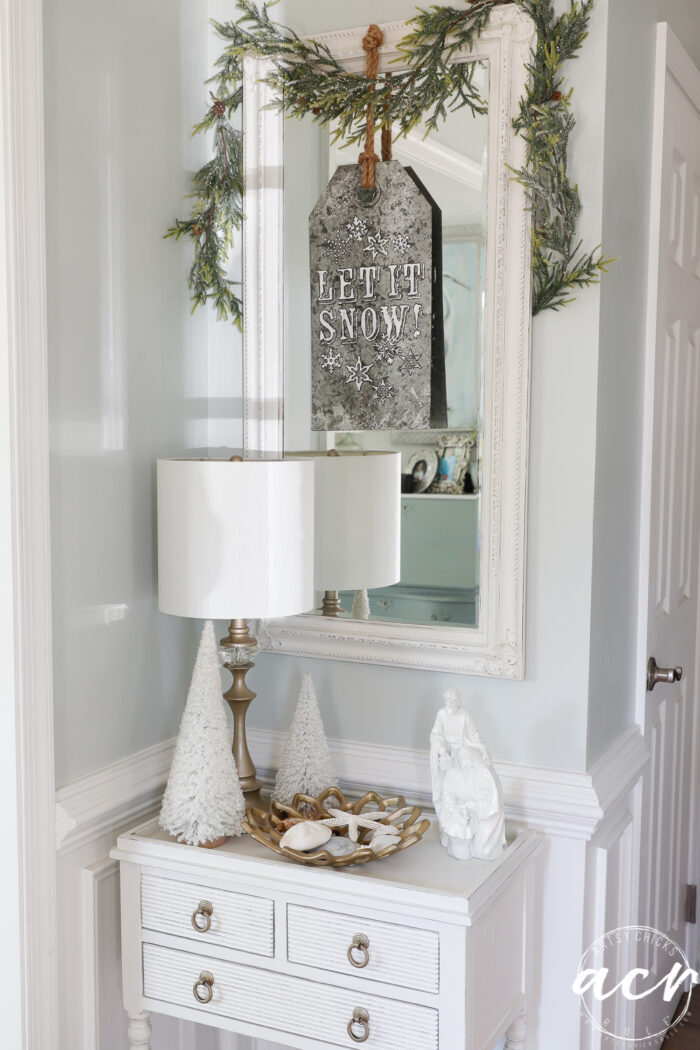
<point>201,917</point>
<point>358,952</point>
<point>360,1019</point>
<point>205,982</point>
<point>656,674</point>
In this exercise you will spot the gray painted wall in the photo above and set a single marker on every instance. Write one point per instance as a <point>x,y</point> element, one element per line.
<point>128,366</point>
<point>123,346</point>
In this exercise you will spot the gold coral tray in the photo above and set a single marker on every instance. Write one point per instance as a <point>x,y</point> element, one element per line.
<point>261,826</point>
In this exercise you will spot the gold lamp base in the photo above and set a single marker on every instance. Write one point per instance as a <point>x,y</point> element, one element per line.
<point>331,604</point>
<point>239,698</point>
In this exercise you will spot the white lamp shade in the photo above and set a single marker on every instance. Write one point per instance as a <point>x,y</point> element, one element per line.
<point>235,540</point>
<point>358,519</point>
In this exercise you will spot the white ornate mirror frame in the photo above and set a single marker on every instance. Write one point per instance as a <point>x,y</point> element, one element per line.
<point>495,647</point>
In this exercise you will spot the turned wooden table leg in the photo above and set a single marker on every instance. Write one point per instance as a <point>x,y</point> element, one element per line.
<point>139,1031</point>
<point>516,1036</point>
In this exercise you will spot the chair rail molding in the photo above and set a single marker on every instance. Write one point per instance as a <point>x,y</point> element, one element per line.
<point>112,798</point>
<point>555,802</point>
<point>29,971</point>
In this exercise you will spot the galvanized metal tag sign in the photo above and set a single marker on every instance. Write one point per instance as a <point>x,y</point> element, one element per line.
<point>377,358</point>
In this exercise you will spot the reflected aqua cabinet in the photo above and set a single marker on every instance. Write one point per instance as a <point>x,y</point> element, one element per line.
<point>439,563</point>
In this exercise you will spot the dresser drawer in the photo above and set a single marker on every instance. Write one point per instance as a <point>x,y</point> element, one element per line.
<point>286,1004</point>
<point>236,920</point>
<point>382,951</point>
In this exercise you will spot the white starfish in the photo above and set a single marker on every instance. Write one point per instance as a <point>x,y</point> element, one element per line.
<point>354,821</point>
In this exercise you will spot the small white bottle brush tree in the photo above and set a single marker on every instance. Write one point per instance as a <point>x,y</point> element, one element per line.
<point>203,802</point>
<point>360,606</point>
<point>306,767</point>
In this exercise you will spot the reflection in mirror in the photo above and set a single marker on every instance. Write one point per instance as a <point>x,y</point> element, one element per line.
<point>441,476</point>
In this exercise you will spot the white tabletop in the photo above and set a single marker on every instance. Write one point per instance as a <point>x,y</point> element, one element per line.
<point>423,870</point>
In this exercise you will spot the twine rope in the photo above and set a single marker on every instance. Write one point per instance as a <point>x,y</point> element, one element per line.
<point>371,42</point>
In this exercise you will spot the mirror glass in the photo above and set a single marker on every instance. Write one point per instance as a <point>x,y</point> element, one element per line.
<point>441,469</point>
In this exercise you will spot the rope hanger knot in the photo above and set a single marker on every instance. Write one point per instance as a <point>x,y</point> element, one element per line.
<point>371,42</point>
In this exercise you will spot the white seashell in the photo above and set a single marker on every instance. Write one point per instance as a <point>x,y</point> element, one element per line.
<point>380,842</point>
<point>339,847</point>
<point>306,836</point>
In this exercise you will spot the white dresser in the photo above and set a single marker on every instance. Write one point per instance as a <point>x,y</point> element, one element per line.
<point>413,952</point>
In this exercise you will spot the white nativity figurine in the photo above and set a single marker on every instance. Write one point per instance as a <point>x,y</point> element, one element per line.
<point>203,802</point>
<point>467,793</point>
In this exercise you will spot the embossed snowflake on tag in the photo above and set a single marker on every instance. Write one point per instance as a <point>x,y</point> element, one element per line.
<point>357,229</point>
<point>387,350</point>
<point>383,391</point>
<point>358,374</point>
<point>401,244</point>
<point>410,363</point>
<point>376,244</point>
<point>330,361</point>
<point>336,247</point>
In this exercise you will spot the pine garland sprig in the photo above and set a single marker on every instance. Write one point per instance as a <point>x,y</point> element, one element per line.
<point>545,121</point>
<point>307,78</point>
<point>216,213</point>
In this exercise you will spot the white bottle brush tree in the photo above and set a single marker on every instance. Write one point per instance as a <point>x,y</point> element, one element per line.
<point>306,767</point>
<point>203,801</point>
<point>360,606</point>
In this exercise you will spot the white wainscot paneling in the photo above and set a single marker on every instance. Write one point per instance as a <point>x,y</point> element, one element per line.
<point>586,877</point>
<point>611,889</point>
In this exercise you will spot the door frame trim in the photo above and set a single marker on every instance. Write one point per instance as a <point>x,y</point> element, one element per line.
<point>26,717</point>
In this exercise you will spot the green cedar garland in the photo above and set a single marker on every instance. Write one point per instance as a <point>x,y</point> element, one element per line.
<point>310,80</point>
<point>217,212</point>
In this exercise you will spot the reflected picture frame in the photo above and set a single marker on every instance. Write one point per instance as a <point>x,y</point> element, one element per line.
<point>428,457</point>
<point>453,452</point>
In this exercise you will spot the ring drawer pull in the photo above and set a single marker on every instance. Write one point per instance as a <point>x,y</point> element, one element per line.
<point>206,980</point>
<point>360,1019</point>
<point>201,918</point>
<point>360,945</point>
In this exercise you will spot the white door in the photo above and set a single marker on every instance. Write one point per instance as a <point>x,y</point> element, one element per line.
<point>670,522</point>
